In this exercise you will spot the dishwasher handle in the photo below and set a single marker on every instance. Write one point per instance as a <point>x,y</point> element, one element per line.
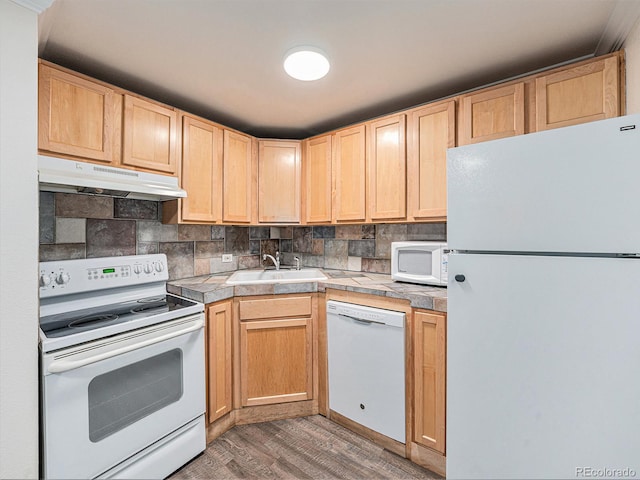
<point>361,320</point>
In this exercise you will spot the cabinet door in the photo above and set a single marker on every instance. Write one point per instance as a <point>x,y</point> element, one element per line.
<point>149,136</point>
<point>349,174</point>
<point>201,170</point>
<point>239,177</point>
<point>279,181</point>
<point>431,131</point>
<point>276,361</point>
<point>77,117</point>
<point>219,366</point>
<point>387,168</point>
<point>317,174</point>
<point>430,379</point>
<point>492,114</point>
<point>577,95</point>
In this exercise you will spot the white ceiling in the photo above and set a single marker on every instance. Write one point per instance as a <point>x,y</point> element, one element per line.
<point>222,59</point>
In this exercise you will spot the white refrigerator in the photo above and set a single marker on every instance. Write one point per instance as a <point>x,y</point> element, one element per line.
<point>543,326</point>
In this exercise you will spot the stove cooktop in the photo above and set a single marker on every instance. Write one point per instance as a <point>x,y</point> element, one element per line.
<point>71,323</point>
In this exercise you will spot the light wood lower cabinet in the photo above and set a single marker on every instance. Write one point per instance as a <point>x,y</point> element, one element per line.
<point>219,360</point>
<point>275,361</point>
<point>429,377</point>
<point>276,349</point>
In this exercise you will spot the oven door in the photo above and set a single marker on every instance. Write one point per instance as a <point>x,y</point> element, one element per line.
<point>105,401</point>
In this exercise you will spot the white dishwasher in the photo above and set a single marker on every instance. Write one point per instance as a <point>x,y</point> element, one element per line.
<point>366,366</point>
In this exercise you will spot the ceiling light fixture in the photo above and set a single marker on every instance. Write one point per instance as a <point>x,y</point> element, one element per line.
<point>306,63</point>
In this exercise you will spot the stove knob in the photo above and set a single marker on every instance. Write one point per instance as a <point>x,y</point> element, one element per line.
<point>148,268</point>
<point>137,269</point>
<point>45,280</point>
<point>62,278</point>
<point>159,266</point>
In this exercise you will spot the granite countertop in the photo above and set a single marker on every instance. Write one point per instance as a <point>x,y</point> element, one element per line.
<point>213,288</point>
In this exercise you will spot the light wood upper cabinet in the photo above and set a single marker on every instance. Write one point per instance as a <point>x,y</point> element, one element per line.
<point>491,114</point>
<point>219,360</point>
<point>316,167</point>
<point>149,136</point>
<point>429,376</point>
<point>279,179</point>
<point>431,130</point>
<point>201,171</point>
<point>78,117</point>
<point>349,174</point>
<point>576,95</point>
<point>387,168</point>
<point>239,177</point>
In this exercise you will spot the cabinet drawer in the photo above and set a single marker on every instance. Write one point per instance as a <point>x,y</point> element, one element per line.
<point>275,308</point>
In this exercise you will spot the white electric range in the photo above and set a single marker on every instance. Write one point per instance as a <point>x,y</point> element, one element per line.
<point>122,370</point>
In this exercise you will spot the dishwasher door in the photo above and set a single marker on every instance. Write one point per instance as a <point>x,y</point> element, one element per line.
<point>366,366</point>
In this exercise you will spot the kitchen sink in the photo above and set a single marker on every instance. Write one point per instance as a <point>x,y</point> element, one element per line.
<point>246,277</point>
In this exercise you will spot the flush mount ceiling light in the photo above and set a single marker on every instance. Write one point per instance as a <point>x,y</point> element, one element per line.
<point>306,63</point>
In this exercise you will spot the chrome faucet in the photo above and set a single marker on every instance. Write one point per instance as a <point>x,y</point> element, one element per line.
<point>297,259</point>
<point>276,260</point>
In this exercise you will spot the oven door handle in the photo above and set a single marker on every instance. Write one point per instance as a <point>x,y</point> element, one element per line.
<point>59,366</point>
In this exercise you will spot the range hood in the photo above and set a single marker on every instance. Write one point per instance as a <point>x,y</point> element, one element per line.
<point>71,176</point>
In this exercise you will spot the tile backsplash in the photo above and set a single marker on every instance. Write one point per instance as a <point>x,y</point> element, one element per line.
<point>84,226</point>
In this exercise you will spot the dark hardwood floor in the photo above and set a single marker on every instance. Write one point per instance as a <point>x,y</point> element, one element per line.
<point>298,448</point>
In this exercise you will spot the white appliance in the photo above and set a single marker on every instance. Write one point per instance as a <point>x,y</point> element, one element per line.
<point>71,176</point>
<point>366,366</point>
<point>122,370</point>
<point>543,327</point>
<point>426,263</point>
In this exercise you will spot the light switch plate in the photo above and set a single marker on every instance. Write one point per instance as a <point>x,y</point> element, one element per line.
<point>227,258</point>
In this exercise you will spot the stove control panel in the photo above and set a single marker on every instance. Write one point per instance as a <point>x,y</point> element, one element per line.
<point>85,275</point>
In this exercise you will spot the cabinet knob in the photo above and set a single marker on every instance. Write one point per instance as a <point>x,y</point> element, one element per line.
<point>460,278</point>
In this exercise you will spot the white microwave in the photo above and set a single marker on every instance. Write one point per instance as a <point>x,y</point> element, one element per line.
<point>420,262</point>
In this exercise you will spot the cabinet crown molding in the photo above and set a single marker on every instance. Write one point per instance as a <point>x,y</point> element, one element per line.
<point>623,18</point>
<point>37,6</point>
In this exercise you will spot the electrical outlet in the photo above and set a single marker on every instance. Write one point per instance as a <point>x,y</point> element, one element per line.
<point>227,258</point>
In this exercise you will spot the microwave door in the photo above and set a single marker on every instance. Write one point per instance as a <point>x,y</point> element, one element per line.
<point>415,261</point>
<point>418,265</point>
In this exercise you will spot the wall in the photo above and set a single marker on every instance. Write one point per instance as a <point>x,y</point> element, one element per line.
<point>84,226</point>
<point>632,57</point>
<point>18,243</point>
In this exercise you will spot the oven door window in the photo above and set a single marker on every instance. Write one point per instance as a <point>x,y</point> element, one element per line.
<point>123,396</point>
